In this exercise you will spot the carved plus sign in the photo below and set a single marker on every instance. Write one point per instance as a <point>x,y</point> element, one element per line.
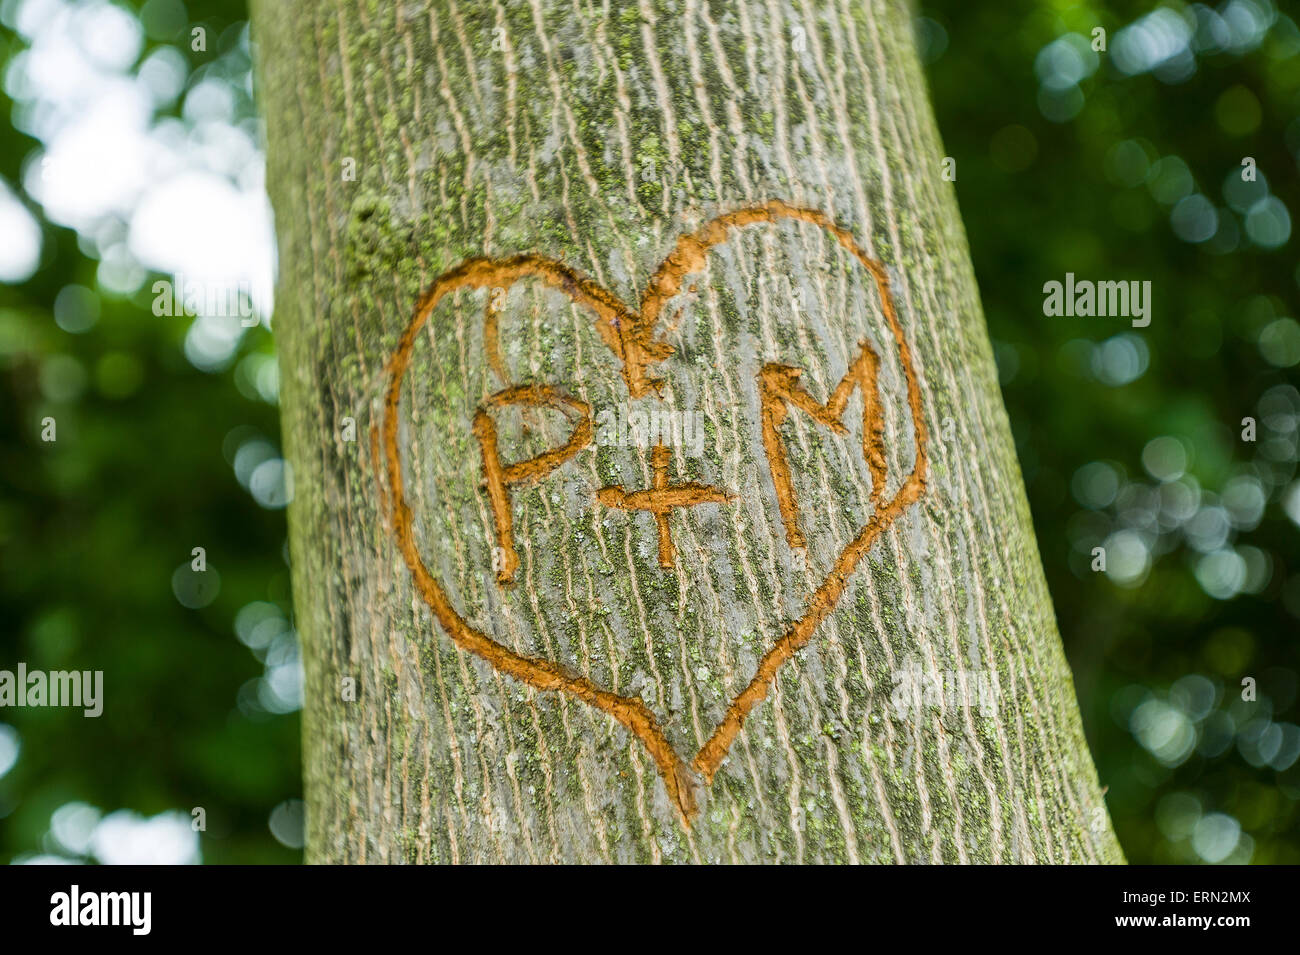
<point>661,498</point>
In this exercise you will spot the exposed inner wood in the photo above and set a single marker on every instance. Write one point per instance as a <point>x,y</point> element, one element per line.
<point>662,499</point>
<point>627,339</point>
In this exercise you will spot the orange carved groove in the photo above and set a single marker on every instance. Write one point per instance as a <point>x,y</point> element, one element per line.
<point>629,335</point>
<point>778,385</point>
<point>661,499</point>
<point>500,477</point>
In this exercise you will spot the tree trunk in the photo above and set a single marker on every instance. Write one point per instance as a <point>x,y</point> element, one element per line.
<point>654,498</point>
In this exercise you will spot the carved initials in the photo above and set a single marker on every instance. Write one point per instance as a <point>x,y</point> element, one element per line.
<point>778,387</point>
<point>501,477</point>
<point>630,334</point>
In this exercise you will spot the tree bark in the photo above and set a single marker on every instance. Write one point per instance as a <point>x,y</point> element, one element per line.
<point>805,621</point>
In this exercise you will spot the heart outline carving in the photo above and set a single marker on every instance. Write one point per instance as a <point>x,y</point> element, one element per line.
<point>629,335</point>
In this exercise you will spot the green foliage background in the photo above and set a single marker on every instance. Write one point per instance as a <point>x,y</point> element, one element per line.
<point>1067,160</point>
<point>94,525</point>
<point>1091,178</point>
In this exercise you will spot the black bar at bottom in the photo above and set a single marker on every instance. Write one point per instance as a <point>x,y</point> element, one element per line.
<point>289,905</point>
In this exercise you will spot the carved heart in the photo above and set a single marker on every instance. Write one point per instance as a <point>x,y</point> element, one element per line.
<point>630,336</point>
